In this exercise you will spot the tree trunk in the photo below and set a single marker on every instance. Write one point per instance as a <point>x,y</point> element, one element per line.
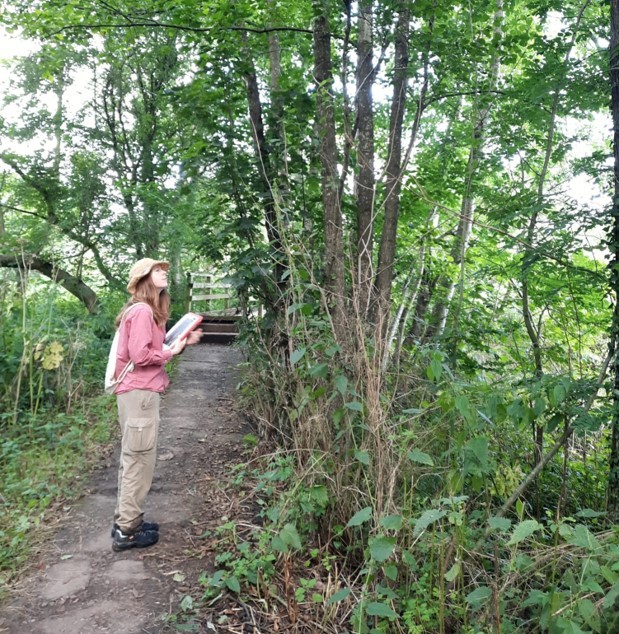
<point>265,160</point>
<point>325,121</point>
<point>386,253</point>
<point>528,257</point>
<point>398,328</point>
<point>467,206</point>
<point>364,181</point>
<point>613,466</point>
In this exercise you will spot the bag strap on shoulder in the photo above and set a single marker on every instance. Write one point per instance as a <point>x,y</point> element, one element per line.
<point>129,309</point>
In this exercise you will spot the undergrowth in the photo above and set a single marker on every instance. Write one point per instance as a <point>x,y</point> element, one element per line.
<point>438,565</point>
<point>42,467</point>
<point>385,506</point>
<point>54,421</point>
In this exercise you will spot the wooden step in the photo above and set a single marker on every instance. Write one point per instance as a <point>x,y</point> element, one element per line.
<point>218,337</point>
<point>218,327</point>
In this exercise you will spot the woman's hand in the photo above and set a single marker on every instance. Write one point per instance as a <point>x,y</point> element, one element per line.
<point>178,346</point>
<point>194,337</point>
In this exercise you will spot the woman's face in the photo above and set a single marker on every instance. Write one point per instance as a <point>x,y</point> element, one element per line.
<point>159,277</point>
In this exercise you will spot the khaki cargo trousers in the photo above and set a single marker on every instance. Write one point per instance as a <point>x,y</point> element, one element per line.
<point>138,413</point>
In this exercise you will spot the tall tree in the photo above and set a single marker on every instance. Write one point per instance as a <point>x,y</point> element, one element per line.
<point>484,99</point>
<point>613,466</point>
<point>364,174</point>
<point>393,181</point>
<point>334,270</point>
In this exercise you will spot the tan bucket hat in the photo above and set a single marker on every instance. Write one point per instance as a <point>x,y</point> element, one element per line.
<point>141,269</point>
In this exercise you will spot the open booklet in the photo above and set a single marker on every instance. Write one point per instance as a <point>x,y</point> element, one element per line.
<point>182,328</point>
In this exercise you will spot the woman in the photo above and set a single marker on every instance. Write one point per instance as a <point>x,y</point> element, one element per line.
<point>142,331</point>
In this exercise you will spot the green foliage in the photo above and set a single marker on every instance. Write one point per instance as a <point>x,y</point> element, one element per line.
<point>42,462</point>
<point>51,362</point>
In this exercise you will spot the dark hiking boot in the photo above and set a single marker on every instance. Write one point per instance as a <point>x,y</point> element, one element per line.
<point>144,526</point>
<point>138,538</point>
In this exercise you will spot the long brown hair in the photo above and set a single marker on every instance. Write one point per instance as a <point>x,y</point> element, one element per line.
<point>148,293</point>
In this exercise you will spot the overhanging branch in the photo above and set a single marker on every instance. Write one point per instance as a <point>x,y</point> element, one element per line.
<point>69,282</point>
<point>177,27</point>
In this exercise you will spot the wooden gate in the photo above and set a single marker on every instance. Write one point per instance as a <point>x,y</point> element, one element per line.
<point>208,294</point>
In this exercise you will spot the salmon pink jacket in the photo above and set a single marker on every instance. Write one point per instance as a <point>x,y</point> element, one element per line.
<point>141,341</point>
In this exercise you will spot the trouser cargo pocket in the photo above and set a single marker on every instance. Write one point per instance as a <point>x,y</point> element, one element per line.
<point>140,435</point>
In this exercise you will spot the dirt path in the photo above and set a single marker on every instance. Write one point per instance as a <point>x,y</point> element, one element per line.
<point>81,586</point>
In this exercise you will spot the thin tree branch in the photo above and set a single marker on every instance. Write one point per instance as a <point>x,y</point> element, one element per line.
<point>177,27</point>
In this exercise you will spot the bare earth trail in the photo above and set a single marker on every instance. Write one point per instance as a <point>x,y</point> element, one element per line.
<point>81,586</point>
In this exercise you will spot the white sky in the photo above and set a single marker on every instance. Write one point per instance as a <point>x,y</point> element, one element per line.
<point>11,45</point>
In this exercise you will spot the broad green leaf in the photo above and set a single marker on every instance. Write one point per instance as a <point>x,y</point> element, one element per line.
<point>478,447</point>
<point>428,518</point>
<point>391,522</point>
<point>501,524</point>
<point>341,383</point>
<point>297,355</point>
<point>360,517</point>
<point>587,609</point>
<point>568,626</point>
<point>413,411</point>
<point>479,596</point>
<point>523,530</point>
<point>319,494</point>
<point>233,584</point>
<point>464,407</point>
<point>380,609</point>
<point>319,371</point>
<point>535,597</point>
<point>305,309</point>
<point>279,545</point>
<point>558,393</point>
<point>290,536</point>
<point>381,548</point>
<point>362,456</point>
<point>355,406</point>
<point>340,595</point>
<point>584,538</point>
<point>453,572</point>
<point>539,406</point>
<point>409,559</point>
<point>609,575</point>
<point>217,578</point>
<point>611,596</point>
<point>415,455</point>
<point>391,571</point>
<point>435,370</point>
<point>589,513</point>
